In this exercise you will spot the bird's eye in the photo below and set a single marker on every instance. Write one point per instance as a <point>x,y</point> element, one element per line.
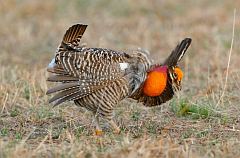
<point>175,75</point>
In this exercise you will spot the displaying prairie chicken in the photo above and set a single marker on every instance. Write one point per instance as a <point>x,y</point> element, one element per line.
<point>98,79</point>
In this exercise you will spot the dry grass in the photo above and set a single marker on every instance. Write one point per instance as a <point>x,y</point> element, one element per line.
<point>194,124</point>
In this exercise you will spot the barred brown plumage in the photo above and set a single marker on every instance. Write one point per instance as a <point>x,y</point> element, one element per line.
<point>98,79</point>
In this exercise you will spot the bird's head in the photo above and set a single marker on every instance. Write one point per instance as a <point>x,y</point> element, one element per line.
<point>162,81</point>
<point>176,75</point>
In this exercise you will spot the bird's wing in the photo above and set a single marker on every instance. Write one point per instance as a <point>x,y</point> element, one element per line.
<point>85,63</point>
<point>82,73</point>
<point>92,63</point>
<point>74,90</point>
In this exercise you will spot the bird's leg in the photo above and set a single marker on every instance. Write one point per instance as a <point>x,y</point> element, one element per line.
<point>114,126</point>
<point>98,130</point>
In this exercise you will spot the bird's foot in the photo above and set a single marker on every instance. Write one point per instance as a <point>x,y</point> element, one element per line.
<point>98,132</point>
<point>117,131</point>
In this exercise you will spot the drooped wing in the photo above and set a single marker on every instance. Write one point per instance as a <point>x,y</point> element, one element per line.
<point>75,90</point>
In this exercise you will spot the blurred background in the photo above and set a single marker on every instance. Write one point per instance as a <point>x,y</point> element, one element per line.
<point>31,30</point>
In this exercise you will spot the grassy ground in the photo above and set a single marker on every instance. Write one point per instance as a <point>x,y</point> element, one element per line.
<point>198,122</point>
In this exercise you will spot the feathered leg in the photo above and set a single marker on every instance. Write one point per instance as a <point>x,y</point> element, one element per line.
<point>114,126</point>
<point>98,130</point>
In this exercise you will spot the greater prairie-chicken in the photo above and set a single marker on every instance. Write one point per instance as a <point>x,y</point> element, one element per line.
<point>98,79</point>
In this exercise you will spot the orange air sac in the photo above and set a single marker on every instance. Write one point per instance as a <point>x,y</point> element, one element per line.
<point>155,83</point>
<point>179,73</point>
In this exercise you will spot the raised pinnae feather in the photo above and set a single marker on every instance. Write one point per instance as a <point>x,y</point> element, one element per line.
<point>74,34</point>
<point>178,52</point>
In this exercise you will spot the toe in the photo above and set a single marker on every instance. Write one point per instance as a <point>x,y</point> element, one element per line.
<point>98,132</point>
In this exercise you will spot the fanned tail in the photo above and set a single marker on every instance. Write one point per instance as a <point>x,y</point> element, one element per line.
<point>73,35</point>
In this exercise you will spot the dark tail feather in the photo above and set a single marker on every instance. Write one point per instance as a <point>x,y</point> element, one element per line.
<point>178,52</point>
<point>73,35</point>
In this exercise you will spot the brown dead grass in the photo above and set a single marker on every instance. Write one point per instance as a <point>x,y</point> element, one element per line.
<point>30,31</point>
